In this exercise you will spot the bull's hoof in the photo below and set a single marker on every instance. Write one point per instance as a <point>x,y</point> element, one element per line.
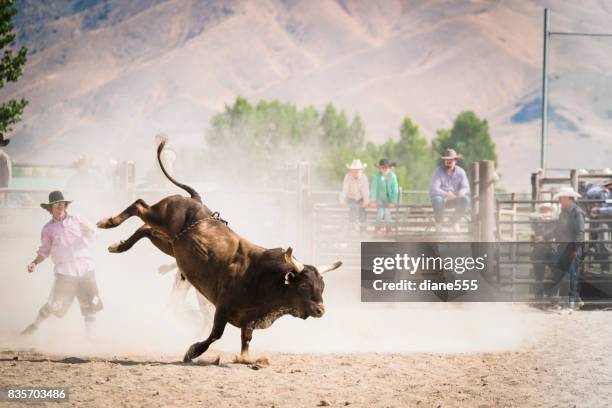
<point>104,224</point>
<point>248,360</point>
<point>254,363</point>
<point>190,354</point>
<point>116,248</point>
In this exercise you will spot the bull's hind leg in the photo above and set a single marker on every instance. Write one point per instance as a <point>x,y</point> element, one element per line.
<point>139,208</point>
<point>199,348</point>
<point>145,231</point>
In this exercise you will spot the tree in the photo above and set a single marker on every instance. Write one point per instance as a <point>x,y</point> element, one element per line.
<point>470,137</point>
<point>11,67</point>
<point>415,157</point>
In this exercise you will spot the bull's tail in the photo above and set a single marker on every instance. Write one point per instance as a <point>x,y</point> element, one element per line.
<point>194,194</point>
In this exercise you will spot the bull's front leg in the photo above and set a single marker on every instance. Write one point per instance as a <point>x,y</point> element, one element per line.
<point>246,334</point>
<point>139,208</point>
<point>199,348</point>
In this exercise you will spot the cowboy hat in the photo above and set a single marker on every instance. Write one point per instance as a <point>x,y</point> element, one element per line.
<point>55,197</point>
<point>385,163</point>
<point>356,164</point>
<point>545,207</point>
<point>607,183</point>
<point>3,141</point>
<point>567,191</point>
<point>451,154</point>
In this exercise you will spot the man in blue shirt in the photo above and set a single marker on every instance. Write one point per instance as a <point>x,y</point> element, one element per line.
<point>601,210</point>
<point>449,188</point>
<point>604,210</point>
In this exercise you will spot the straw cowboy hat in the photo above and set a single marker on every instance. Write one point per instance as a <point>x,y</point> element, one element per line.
<point>3,141</point>
<point>356,164</point>
<point>451,154</point>
<point>55,197</point>
<point>567,191</point>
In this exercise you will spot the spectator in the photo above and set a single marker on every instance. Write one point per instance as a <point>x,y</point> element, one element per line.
<point>601,209</point>
<point>542,251</point>
<point>356,193</point>
<point>384,194</point>
<point>569,237</point>
<point>449,188</point>
<point>5,168</point>
<point>605,209</point>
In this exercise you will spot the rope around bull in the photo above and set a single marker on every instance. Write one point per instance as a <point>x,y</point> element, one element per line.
<point>215,216</point>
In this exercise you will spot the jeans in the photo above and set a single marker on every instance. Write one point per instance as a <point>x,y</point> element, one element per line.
<point>383,214</point>
<point>573,270</point>
<point>459,204</point>
<point>356,212</point>
<point>541,252</point>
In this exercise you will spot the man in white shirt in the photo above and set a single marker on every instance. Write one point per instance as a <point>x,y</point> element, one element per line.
<point>356,193</point>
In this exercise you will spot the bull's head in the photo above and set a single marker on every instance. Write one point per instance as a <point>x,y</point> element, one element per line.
<point>305,283</point>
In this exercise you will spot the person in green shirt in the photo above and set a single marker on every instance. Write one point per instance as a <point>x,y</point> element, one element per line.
<point>384,194</point>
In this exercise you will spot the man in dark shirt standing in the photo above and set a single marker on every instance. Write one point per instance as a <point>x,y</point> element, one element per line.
<point>569,236</point>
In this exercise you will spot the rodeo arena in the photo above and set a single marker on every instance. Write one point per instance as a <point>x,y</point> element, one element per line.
<point>128,283</point>
<point>132,314</point>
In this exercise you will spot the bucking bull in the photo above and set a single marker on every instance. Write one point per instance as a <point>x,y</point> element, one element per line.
<point>250,286</point>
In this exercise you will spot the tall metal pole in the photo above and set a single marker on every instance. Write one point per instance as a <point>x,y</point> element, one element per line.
<point>544,93</point>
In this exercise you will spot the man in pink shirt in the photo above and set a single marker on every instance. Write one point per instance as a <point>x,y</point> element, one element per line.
<point>66,238</point>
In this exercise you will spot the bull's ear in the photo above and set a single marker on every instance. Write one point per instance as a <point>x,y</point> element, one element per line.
<point>298,267</point>
<point>289,276</point>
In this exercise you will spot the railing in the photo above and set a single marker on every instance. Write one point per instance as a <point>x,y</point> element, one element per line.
<point>516,225</point>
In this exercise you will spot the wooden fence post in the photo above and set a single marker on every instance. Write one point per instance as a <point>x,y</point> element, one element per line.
<point>475,197</point>
<point>574,179</point>
<point>535,189</point>
<point>486,205</point>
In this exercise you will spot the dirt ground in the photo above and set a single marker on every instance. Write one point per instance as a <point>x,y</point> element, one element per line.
<point>567,365</point>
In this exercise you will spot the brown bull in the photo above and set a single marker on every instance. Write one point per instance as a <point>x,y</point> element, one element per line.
<point>249,285</point>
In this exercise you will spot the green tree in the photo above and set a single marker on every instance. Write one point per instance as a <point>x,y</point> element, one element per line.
<point>415,157</point>
<point>341,142</point>
<point>11,67</point>
<point>468,136</point>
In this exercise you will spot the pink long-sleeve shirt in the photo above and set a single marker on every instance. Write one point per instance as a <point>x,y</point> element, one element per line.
<point>68,242</point>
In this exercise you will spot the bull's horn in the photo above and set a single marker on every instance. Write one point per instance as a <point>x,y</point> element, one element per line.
<point>292,261</point>
<point>329,268</point>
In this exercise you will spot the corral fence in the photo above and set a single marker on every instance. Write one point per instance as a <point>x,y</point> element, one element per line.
<point>315,223</point>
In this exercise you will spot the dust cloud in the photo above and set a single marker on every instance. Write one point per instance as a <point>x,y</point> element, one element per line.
<point>138,319</point>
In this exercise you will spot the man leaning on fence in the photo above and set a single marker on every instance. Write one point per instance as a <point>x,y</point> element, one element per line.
<point>600,211</point>
<point>569,237</point>
<point>604,210</point>
<point>356,193</point>
<point>449,188</point>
